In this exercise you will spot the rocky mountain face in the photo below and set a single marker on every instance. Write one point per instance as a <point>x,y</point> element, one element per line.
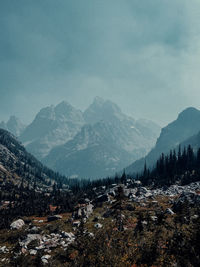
<point>92,153</point>
<point>13,125</point>
<point>51,127</point>
<point>17,165</point>
<point>137,136</point>
<point>108,141</point>
<point>178,132</point>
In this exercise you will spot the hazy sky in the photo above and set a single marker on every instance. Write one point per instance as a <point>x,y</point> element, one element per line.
<point>142,54</point>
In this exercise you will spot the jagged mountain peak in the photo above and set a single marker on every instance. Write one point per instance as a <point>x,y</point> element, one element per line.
<point>103,110</point>
<point>52,126</point>
<point>64,107</point>
<point>46,112</point>
<point>101,103</point>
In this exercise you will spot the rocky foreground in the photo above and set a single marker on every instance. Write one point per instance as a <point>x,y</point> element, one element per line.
<point>123,225</point>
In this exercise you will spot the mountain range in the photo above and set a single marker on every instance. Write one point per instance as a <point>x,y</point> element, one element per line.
<point>102,140</point>
<point>94,143</point>
<point>106,143</point>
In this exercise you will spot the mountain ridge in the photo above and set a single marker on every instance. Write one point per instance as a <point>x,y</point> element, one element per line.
<point>185,126</point>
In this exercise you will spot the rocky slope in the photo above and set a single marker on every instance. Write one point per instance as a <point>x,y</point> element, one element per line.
<point>92,153</point>
<point>17,166</point>
<point>185,126</point>
<point>119,225</point>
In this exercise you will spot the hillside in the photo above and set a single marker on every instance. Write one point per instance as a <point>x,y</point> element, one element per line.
<point>117,225</point>
<point>185,126</point>
<point>17,166</point>
<point>116,222</point>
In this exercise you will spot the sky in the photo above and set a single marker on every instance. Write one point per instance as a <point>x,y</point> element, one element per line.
<point>143,55</point>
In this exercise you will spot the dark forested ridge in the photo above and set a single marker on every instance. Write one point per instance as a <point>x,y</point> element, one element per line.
<point>16,164</point>
<point>181,167</point>
<point>177,132</point>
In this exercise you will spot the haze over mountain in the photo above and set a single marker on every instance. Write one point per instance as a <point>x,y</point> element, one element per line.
<point>52,126</point>
<point>106,144</point>
<point>13,125</point>
<point>95,143</point>
<point>180,131</point>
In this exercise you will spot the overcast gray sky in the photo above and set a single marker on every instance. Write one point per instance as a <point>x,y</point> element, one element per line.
<point>142,54</point>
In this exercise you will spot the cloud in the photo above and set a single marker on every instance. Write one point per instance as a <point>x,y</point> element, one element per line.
<point>141,54</point>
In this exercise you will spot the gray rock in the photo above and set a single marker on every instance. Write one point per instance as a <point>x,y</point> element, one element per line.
<point>195,217</point>
<point>154,218</point>
<point>98,225</point>
<point>46,257</point>
<point>4,249</point>
<point>17,224</point>
<point>33,252</point>
<point>76,223</point>
<point>29,239</point>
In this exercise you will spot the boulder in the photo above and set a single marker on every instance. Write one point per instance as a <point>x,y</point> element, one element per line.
<point>76,223</point>
<point>4,249</point>
<point>29,239</point>
<point>70,236</point>
<point>89,210</point>
<point>17,224</point>
<point>137,183</point>
<point>144,223</point>
<point>154,218</point>
<point>143,190</point>
<point>98,225</point>
<point>91,235</point>
<point>33,252</point>
<point>195,217</point>
<point>46,257</point>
